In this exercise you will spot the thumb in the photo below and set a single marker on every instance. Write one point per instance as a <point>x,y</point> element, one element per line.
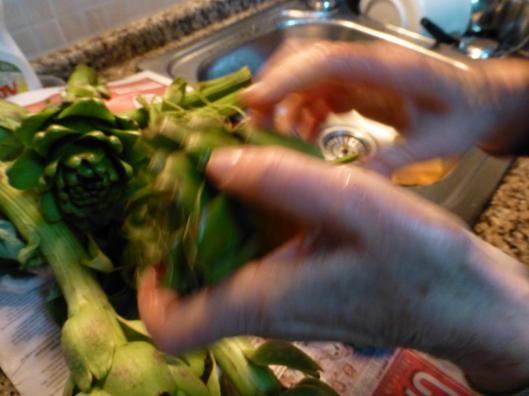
<point>242,304</point>
<point>347,202</point>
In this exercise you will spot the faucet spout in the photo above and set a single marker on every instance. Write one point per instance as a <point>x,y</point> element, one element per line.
<point>322,5</point>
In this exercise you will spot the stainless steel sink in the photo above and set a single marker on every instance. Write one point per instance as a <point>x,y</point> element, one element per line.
<point>465,191</point>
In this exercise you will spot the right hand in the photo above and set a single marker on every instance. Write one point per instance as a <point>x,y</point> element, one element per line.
<point>377,266</point>
<point>442,110</point>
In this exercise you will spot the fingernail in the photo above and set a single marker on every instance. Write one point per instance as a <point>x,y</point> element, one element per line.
<point>147,291</point>
<point>222,162</point>
<point>254,92</point>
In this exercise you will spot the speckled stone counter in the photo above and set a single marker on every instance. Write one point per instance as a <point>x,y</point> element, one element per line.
<point>117,51</point>
<point>505,223</point>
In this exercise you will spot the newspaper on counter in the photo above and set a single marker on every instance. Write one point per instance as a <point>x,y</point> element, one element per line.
<point>30,352</point>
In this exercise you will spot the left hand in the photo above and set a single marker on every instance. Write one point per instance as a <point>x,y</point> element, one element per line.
<point>442,110</point>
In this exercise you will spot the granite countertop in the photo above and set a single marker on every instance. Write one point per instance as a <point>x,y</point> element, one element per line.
<point>505,223</point>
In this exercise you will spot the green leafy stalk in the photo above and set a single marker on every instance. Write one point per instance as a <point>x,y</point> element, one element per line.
<point>178,96</point>
<point>248,378</point>
<point>85,82</point>
<point>93,342</point>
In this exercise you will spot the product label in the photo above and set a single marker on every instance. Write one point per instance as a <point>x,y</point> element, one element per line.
<point>12,80</point>
<point>412,375</point>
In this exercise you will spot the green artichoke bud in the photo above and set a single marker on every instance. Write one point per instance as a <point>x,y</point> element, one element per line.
<point>80,161</point>
<point>89,181</point>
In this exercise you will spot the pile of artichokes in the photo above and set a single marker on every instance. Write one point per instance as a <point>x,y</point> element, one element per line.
<point>102,195</point>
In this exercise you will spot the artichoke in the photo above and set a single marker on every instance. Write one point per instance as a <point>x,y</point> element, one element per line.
<point>78,165</point>
<point>199,233</point>
<point>80,158</point>
<point>102,359</point>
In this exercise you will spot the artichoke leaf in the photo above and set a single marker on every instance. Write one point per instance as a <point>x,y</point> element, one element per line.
<point>94,392</point>
<point>30,256</point>
<point>284,353</point>
<point>80,124</point>
<point>213,382</point>
<point>179,177</point>
<point>10,146</point>
<point>11,114</point>
<point>218,234</point>
<point>196,361</point>
<point>310,387</point>
<point>87,345</point>
<point>191,228</point>
<point>35,123</point>
<point>98,260</point>
<point>134,330</point>
<point>174,95</point>
<point>128,137</point>
<point>247,377</point>
<point>209,140</point>
<point>10,243</point>
<point>232,260</point>
<point>188,382</point>
<point>134,119</point>
<point>69,387</point>
<point>26,171</point>
<point>139,370</point>
<point>43,141</point>
<point>90,108</point>
<point>178,275</point>
<point>84,82</point>
<point>138,155</point>
<point>109,141</point>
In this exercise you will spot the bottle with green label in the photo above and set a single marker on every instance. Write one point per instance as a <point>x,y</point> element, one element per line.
<point>16,74</point>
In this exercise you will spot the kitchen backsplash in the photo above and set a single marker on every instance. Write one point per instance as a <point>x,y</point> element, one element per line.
<point>41,26</point>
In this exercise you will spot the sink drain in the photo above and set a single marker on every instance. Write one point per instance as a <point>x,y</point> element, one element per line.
<point>346,143</point>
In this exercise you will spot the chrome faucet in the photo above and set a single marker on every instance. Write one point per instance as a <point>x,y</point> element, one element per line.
<point>322,5</point>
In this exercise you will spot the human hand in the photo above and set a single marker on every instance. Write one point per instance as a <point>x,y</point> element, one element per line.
<point>377,265</point>
<point>442,110</point>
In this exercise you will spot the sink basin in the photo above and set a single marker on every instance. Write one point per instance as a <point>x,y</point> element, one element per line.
<point>468,187</point>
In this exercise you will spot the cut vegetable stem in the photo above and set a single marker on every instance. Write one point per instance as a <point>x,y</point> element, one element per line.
<point>218,88</point>
<point>61,248</point>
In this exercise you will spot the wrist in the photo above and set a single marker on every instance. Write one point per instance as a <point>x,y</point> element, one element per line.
<point>496,357</point>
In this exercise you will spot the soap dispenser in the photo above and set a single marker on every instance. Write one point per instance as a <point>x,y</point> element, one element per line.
<point>16,74</point>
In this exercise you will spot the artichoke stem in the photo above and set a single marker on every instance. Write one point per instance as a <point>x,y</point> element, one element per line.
<point>218,88</point>
<point>62,250</point>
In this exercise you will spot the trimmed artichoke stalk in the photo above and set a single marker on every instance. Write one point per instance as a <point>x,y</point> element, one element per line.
<point>94,344</point>
<point>84,82</point>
